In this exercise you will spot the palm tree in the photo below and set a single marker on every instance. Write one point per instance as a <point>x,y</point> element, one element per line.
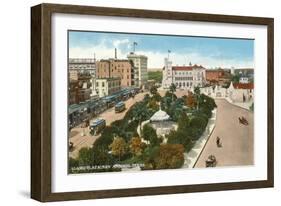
<point>153,90</point>
<point>172,90</point>
<point>140,113</point>
<point>197,95</point>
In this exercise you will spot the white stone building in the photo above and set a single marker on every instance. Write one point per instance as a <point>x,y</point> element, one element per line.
<point>140,67</point>
<point>244,80</point>
<point>241,92</point>
<point>184,77</point>
<point>107,86</point>
<point>83,64</point>
<point>236,92</point>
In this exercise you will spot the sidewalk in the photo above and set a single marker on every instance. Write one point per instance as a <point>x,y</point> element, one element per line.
<point>244,105</point>
<point>191,157</point>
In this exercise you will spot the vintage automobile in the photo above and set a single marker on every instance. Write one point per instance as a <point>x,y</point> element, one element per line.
<point>97,126</point>
<point>120,107</point>
<point>211,161</point>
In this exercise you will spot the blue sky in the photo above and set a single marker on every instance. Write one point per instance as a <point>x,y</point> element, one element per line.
<point>209,52</point>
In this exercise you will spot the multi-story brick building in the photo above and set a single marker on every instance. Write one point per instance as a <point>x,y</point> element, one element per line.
<point>116,68</point>
<point>218,76</point>
<point>79,86</point>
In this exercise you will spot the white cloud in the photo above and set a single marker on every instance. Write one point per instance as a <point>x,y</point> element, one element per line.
<point>117,43</point>
<point>156,59</point>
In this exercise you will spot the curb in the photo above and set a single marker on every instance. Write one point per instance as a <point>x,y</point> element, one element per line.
<point>205,143</point>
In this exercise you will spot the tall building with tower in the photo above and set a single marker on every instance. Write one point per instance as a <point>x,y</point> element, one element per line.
<point>140,68</point>
<point>184,77</point>
<point>167,79</point>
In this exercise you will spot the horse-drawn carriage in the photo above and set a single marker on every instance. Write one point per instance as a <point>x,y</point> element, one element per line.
<point>211,161</point>
<point>242,120</point>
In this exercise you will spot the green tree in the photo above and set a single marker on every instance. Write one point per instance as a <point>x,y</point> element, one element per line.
<point>157,97</point>
<point>149,156</point>
<point>172,89</point>
<point>197,96</point>
<point>106,138</point>
<point>155,75</point>
<point>235,78</point>
<point>72,163</point>
<point>118,147</point>
<point>146,98</point>
<point>85,157</point>
<point>183,121</point>
<point>152,104</point>
<point>150,134</point>
<point>197,127</point>
<point>180,137</point>
<point>140,113</point>
<point>102,157</point>
<point>252,107</point>
<point>153,90</point>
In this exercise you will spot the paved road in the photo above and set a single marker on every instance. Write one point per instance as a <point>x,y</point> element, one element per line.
<point>86,140</point>
<point>237,139</point>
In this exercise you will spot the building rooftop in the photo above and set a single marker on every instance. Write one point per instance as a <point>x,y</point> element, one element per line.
<point>243,85</point>
<point>82,60</point>
<point>114,60</point>
<point>160,115</point>
<point>187,68</point>
<point>132,54</point>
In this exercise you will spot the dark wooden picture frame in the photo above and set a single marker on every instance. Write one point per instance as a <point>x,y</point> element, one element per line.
<point>41,101</point>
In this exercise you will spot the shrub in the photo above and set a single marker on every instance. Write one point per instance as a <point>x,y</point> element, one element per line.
<point>170,156</point>
<point>136,146</point>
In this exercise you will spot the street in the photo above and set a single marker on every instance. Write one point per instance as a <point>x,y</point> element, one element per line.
<point>80,137</point>
<point>237,139</point>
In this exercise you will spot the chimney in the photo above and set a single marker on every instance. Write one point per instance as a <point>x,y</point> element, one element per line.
<point>115,53</point>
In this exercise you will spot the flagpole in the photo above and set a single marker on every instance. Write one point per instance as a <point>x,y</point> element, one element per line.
<point>169,51</point>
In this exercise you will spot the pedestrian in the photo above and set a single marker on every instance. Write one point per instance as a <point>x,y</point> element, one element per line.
<point>218,141</point>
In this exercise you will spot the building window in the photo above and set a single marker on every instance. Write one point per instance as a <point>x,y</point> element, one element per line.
<point>102,84</point>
